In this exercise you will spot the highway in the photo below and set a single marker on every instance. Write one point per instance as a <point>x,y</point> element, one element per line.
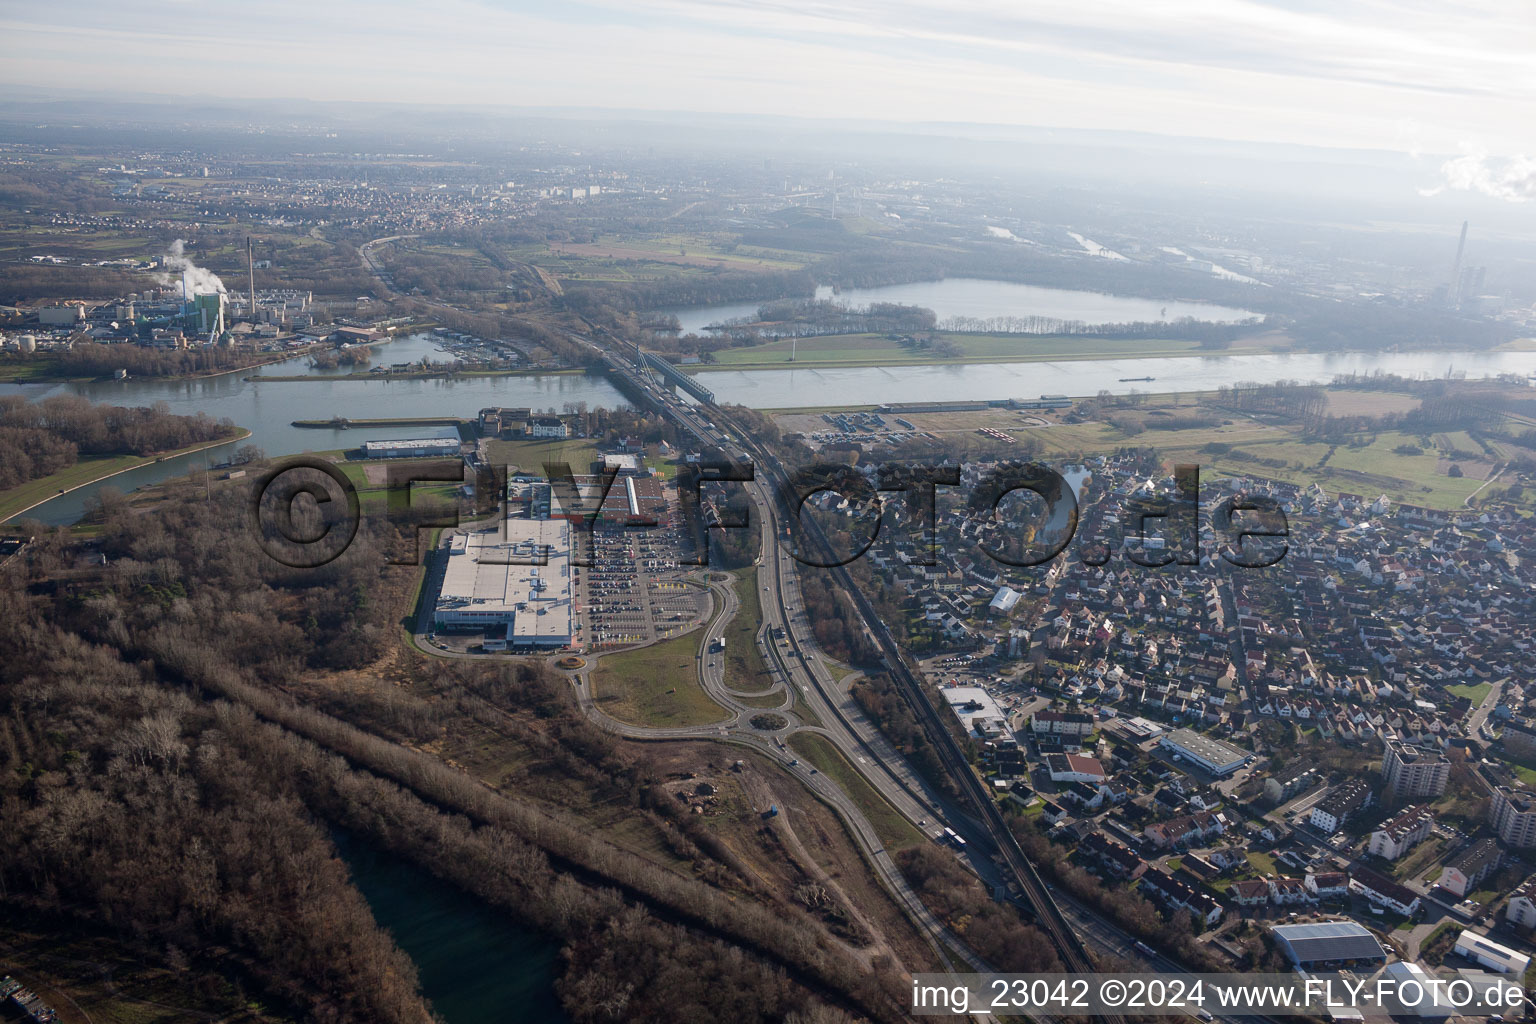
<point>995,852</point>
<point>988,822</point>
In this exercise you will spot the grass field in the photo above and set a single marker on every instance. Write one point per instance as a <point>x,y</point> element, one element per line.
<point>896,832</point>
<point>655,686</point>
<point>531,455</point>
<point>1419,860</point>
<point>374,494</point>
<point>1262,863</point>
<point>1234,445</point>
<point>1474,693</point>
<point>744,667</point>
<point>877,350</point>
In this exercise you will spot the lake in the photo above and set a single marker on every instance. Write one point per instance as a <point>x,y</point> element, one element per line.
<point>973,297</point>
<point>475,963</point>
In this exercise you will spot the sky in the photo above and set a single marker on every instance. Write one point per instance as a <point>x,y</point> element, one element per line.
<point>1449,77</point>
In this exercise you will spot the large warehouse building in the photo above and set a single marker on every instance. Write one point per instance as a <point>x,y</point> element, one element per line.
<point>1327,942</point>
<point>411,448</point>
<point>1213,755</point>
<point>489,584</point>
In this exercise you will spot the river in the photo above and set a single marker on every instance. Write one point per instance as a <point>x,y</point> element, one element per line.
<point>475,964</point>
<point>973,297</point>
<point>267,408</point>
<point>874,385</point>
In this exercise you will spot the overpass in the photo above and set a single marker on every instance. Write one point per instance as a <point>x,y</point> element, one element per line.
<point>677,378</point>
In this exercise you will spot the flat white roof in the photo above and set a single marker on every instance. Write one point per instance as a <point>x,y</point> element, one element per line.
<point>1491,953</point>
<point>959,696</point>
<point>1206,748</point>
<point>412,444</point>
<point>489,580</point>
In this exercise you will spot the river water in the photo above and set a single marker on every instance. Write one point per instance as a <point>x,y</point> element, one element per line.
<point>874,385</point>
<point>267,408</point>
<point>972,297</point>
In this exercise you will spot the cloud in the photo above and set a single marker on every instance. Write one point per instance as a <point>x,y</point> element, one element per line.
<point>1512,179</point>
<point>1415,75</point>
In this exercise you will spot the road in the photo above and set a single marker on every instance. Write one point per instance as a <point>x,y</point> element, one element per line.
<point>810,681</point>
<point>1483,710</point>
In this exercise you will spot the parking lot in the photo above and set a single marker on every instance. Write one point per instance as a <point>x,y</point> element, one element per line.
<point>636,592</point>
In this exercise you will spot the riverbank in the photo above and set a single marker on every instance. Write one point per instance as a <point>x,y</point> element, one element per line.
<point>417,375</point>
<point>40,375</point>
<point>25,497</point>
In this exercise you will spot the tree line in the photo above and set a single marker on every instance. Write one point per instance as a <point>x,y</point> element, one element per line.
<point>88,359</point>
<point>40,438</point>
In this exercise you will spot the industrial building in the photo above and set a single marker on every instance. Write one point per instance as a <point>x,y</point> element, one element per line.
<point>1213,755</point>
<point>978,713</point>
<point>1074,768</point>
<point>1327,942</point>
<point>493,582</point>
<point>1003,601</point>
<point>420,447</point>
<point>1482,950</point>
<point>1427,1000</point>
<point>629,501</point>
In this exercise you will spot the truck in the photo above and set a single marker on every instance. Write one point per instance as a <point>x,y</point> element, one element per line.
<point>719,643</point>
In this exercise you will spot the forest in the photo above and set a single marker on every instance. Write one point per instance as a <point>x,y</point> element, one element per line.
<point>39,438</point>
<point>86,359</point>
<point>174,758</point>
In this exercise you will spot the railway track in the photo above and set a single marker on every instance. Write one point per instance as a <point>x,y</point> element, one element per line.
<point>1070,949</point>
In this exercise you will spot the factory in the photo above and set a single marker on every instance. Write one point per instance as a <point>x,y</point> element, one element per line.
<point>511,581</point>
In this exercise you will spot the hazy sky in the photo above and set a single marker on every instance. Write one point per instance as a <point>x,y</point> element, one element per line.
<point>1440,76</point>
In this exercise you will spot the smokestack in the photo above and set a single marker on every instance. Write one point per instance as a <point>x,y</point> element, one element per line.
<point>250,262</point>
<point>1453,293</point>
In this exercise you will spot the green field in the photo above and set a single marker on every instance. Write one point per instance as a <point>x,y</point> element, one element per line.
<point>896,832</point>
<point>655,686</point>
<point>1474,693</point>
<point>531,455</point>
<point>1235,445</point>
<point>877,350</point>
<point>745,670</point>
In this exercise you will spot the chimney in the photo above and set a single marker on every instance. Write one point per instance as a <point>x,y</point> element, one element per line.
<point>250,262</point>
<point>1453,293</point>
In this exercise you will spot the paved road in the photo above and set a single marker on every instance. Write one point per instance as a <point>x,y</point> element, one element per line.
<point>809,680</point>
<point>1482,711</point>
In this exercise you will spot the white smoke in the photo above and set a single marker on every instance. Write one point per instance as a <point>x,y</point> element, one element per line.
<point>1513,179</point>
<point>189,279</point>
